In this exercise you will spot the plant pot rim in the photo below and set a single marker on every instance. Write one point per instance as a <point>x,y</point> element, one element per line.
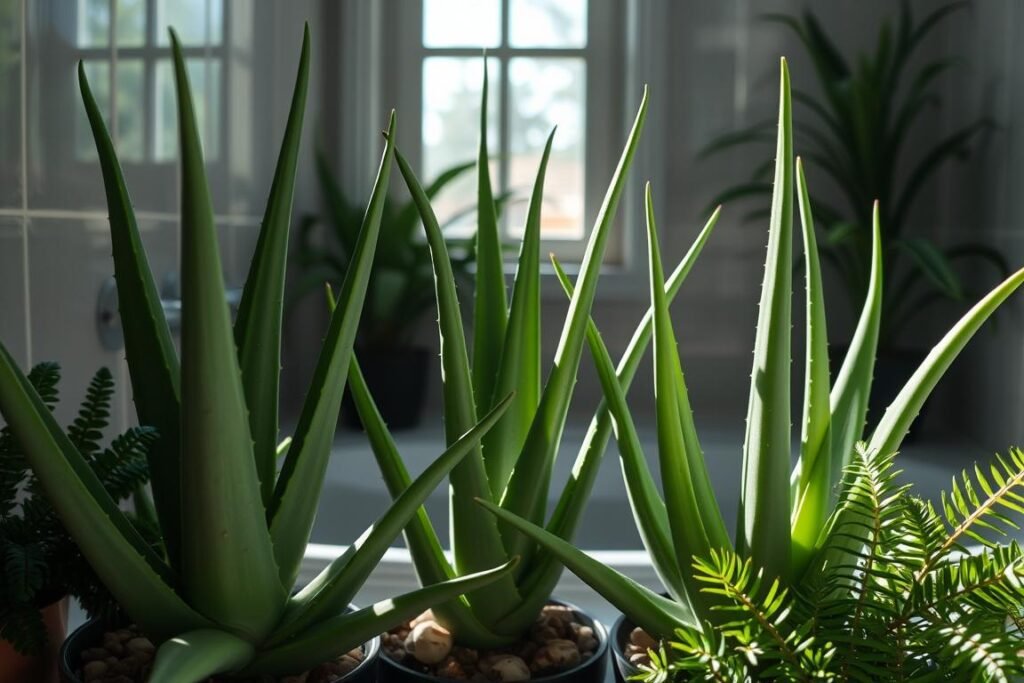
<point>600,632</point>
<point>371,651</point>
<point>623,667</point>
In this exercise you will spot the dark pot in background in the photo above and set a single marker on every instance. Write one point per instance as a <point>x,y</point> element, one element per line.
<point>42,668</point>
<point>397,378</point>
<point>893,367</point>
<point>589,671</point>
<point>89,634</point>
<point>619,637</point>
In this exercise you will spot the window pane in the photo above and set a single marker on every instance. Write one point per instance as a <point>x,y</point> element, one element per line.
<point>451,125</point>
<point>131,23</point>
<point>461,23</point>
<point>198,22</point>
<point>544,93</point>
<point>93,23</point>
<point>131,102</point>
<point>98,73</point>
<point>548,23</point>
<point>205,77</point>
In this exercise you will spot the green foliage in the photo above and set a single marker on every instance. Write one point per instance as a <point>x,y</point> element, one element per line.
<point>208,572</point>
<point>39,560</point>
<point>910,604</point>
<point>823,559</point>
<point>401,286</point>
<point>512,469</point>
<point>854,132</point>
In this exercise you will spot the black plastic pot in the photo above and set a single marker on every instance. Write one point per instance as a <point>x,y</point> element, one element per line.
<point>397,378</point>
<point>89,634</point>
<point>620,636</point>
<point>590,671</point>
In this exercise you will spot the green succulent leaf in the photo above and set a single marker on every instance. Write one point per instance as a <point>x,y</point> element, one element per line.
<point>296,496</point>
<point>228,567</point>
<point>199,654</point>
<point>149,349</point>
<point>258,324</point>
<point>764,532</point>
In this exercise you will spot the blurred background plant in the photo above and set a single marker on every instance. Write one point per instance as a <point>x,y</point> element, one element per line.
<point>39,561</point>
<point>401,288</point>
<point>855,132</point>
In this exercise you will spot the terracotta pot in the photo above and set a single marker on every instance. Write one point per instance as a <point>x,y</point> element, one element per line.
<point>591,670</point>
<point>18,668</point>
<point>90,633</point>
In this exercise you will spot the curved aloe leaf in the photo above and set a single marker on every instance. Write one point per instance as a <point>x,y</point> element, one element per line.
<point>427,554</point>
<point>764,498</point>
<point>490,306</point>
<point>519,368</point>
<point>258,324</point>
<point>658,615</point>
<point>137,577</point>
<point>294,509</point>
<point>197,655</point>
<point>340,634</point>
<point>331,591</point>
<point>852,388</point>
<point>228,566</point>
<point>543,574</point>
<point>813,491</point>
<point>895,424</point>
<point>696,523</point>
<point>476,543</point>
<point>527,490</point>
<point>148,346</point>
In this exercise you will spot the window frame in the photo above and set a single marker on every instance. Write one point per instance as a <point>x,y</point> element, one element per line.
<point>374,46</point>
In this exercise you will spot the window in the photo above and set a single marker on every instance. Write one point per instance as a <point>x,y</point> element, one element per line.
<point>550,63</point>
<point>124,47</point>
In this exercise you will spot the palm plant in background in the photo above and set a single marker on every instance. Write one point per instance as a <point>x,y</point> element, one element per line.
<point>40,562</point>
<point>791,534</point>
<point>856,133</point>
<point>216,592</point>
<point>513,465</point>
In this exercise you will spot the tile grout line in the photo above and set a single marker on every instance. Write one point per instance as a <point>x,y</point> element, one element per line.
<point>24,182</point>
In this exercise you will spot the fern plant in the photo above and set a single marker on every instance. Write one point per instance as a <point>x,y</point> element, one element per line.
<point>39,561</point>
<point>787,516</point>
<point>911,603</point>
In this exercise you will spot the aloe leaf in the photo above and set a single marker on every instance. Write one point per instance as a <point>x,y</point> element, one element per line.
<point>519,369</point>
<point>338,635</point>
<point>543,574</point>
<point>296,496</point>
<point>852,388</point>
<point>337,584</point>
<point>149,349</point>
<point>227,567</point>
<point>657,615</point>
<point>199,654</point>
<point>693,511</point>
<point>764,498</point>
<point>428,557</point>
<point>649,510</point>
<point>490,306</point>
<point>813,491</point>
<point>137,577</point>
<point>475,541</point>
<point>527,490</point>
<point>258,324</point>
<point>895,424</point>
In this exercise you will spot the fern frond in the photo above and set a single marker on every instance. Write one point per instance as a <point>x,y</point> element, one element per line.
<point>45,378</point>
<point>123,467</point>
<point>22,626</point>
<point>24,571</point>
<point>86,431</point>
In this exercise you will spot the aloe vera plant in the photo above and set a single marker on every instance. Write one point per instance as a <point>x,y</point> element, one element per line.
<point>217,592</point>
<point>513,465</point>
<point>785,513</point>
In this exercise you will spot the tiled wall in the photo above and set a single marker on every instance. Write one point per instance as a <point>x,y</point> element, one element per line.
<point>54,243</point>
